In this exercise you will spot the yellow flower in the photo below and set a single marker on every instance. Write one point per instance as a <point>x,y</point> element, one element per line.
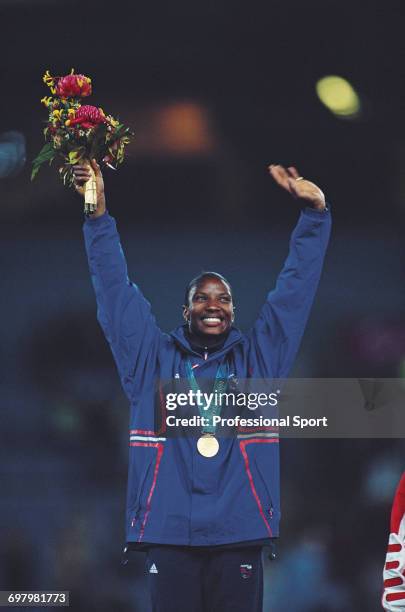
<point>113,121</point>
<point>57,114</point>
<point>71,113</point>
<point>48,79</point>
<point>47,100</point>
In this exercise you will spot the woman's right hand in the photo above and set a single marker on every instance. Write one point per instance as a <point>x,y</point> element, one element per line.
<point>82,174</point>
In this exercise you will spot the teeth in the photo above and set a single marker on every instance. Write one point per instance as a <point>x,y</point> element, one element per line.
<point>212,319</point>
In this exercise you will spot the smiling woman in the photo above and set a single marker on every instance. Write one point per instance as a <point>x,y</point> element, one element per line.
<point>208,308</point>
<point>204,509</point>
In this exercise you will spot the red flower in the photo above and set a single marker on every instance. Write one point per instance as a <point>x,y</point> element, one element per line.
<point>73,86</point>
<point>88,117</point>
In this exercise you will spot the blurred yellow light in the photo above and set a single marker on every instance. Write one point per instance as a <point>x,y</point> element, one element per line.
<point>184,128</point>
<point>175,128</point>
<point>338,96</point>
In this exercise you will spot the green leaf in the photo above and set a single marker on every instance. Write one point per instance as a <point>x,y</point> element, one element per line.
<point>47,153</point>
<point>34,172</point>
<point>76,155</point>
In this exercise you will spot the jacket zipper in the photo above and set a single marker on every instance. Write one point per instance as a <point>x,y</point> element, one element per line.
<point>137,505</point>
<point>271,508</point>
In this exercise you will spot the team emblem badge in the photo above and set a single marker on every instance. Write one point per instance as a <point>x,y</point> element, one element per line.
<point>245,570</point>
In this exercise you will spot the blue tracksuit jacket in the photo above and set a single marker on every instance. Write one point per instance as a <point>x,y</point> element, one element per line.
<point>176,496</point>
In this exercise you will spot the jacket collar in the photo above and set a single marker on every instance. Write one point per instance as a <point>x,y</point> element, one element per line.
<point>180,339</point>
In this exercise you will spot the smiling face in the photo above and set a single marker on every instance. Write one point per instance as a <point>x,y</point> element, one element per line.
<point>210,308</point>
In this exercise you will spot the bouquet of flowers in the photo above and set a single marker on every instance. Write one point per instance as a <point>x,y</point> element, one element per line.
<point>77,133</point>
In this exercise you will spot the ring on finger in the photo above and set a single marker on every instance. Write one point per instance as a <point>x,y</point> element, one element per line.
<point>300,178</point>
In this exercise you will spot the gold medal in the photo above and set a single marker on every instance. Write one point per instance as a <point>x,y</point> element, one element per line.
<point>208,445</point>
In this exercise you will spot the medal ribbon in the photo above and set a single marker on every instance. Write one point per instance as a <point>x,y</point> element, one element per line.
<point>220,385</point>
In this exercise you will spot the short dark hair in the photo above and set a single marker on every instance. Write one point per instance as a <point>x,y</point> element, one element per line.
<point>197,280</point>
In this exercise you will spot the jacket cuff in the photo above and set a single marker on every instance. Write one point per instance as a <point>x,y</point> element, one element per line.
<point>317,214</point>
<point>98,221</point>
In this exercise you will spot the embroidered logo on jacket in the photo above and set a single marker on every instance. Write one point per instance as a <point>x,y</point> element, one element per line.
<point>245,570</point>
<point>153,569</point>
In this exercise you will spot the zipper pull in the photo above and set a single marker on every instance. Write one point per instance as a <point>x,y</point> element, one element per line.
<point>205,353</point>
<point>124,556</point>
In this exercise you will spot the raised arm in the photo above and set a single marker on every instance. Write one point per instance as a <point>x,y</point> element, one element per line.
<point>278,331</point>
<point>122,311</point>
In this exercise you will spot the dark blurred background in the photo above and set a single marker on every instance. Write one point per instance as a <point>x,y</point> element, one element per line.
<point>214,92</point>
